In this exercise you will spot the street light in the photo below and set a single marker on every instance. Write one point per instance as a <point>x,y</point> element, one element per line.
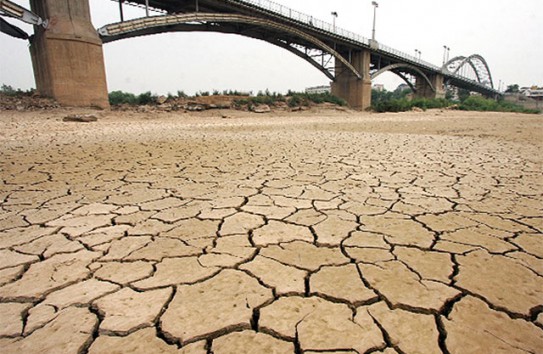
<point>334,16</point>
<point>417,53</point>
<point>375,6</point>
<point>121,10</point>
<point>446,54</point>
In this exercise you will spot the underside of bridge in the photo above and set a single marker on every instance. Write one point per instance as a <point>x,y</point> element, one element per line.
<point>67,56</point>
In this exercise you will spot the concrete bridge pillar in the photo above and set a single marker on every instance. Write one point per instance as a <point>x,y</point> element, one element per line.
<point>357,92</point>
<point>67,56</point>
<point>424,90</point>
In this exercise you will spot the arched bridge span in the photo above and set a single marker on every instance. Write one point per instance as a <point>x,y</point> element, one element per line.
<point>294,40</point>
<point>404,71</point>
<point>476,62</point>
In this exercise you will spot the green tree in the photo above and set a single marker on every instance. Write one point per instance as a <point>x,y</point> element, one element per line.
<point>119,97</point>
<point>378,97</point>
<point>449,94</point>
<point>8,90</point>
<point>463,94</point>
<point>512,89</point>
<point>146,98</point>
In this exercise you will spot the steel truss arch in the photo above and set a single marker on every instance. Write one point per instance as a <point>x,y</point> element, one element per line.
<point>397,69</point>
<point>476,62</point>
<point>213,22</point>
<point>307,56</point>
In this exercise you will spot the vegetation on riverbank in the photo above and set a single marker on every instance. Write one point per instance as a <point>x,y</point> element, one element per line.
<point>8,90</point>
<point>385,101</point>
<point>478,103</point>
<point>119,97</point>
<point>382,101</point>
<point>291,99</point>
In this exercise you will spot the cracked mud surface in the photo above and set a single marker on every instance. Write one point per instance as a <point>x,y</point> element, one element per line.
<point>336,233</point>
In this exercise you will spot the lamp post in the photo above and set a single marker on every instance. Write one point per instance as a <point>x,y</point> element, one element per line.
<point>418,54</point>
<point>375,6</point>
<point>446,54</point>
<point>334,16</point>
<point>121,10</point>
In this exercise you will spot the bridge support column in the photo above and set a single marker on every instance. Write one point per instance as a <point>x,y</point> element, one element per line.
<point>357,92</point>
<point>424,90</point>
<point>67,56</point>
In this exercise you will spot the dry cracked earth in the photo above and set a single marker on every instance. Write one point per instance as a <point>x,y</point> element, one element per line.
<point>342,233</point>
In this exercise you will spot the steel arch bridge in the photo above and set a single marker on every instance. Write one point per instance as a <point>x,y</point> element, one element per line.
<point>476,63</point>
<point>349,60</point>
<point>230,23</point>
<point>321,44</point>
<point>473,66</point>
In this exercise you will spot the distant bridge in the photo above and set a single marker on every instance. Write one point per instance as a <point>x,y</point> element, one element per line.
<point>349,60</point>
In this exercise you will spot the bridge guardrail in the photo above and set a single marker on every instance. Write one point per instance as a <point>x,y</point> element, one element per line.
<point>304,18</point>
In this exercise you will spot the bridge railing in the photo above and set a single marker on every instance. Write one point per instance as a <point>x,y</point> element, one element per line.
<point>409,57</point>
<point>304,18</point>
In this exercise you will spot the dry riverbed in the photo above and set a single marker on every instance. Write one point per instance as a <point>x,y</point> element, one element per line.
<point>229,232</point>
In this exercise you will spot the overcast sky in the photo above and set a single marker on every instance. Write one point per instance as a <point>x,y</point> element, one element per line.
<point>507,33</point>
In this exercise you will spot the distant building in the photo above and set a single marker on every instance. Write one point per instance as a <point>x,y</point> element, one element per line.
<point>318,89</point>
<point>524,100</point>
<point>379,87</point>
<point>533,92</point>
